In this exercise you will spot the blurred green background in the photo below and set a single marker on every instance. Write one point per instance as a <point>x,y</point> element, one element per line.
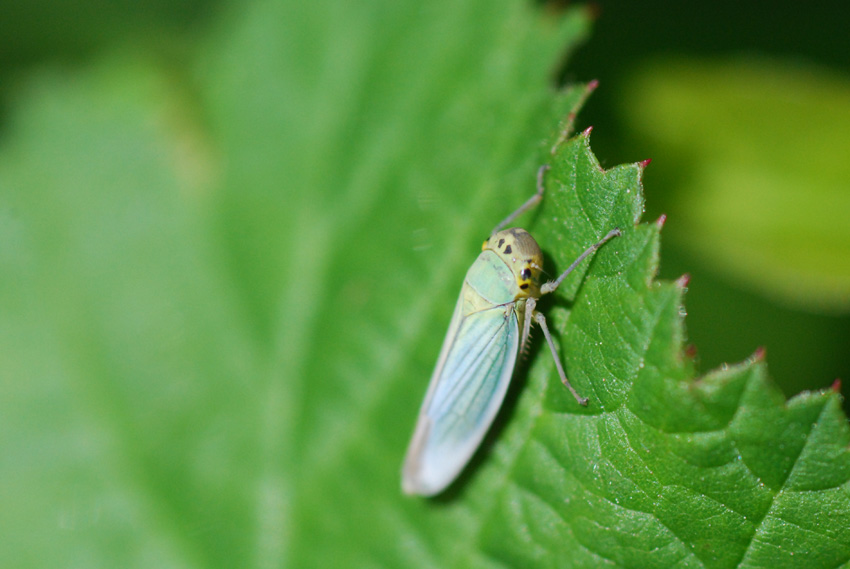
<point>744,111</point>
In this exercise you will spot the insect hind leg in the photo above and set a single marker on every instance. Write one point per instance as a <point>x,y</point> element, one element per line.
<point>540,319</point>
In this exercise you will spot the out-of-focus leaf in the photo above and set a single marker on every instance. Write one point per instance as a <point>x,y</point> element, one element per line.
<point>126,402</point>
<point>760,149</point>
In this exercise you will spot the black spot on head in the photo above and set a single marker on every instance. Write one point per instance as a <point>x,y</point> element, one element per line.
<point>508,249</point>
<point>501,242</point>
<point>523,286</point>
<point>525,274</point>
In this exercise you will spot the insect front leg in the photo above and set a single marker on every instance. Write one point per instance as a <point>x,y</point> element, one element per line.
<point>552,285</point>
<point>540,319</point>
<point>530,305</point>
<point>530,203</point>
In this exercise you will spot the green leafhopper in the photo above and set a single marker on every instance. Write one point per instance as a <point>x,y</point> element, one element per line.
<point>490,325</point>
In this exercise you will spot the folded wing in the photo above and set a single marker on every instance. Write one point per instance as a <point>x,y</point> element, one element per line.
<point>468,388</point>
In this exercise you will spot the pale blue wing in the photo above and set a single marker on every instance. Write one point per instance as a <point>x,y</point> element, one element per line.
<point>467,391</point>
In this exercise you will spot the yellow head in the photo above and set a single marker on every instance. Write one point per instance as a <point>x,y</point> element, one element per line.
<point>518,249</point>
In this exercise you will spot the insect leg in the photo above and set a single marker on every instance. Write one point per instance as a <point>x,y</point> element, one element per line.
<point>540,319</point>
<point>552,285</point>
<point>531,202</point>
<point>530,305</point>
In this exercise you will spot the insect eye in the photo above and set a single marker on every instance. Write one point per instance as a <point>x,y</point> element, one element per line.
<point>525,274</point>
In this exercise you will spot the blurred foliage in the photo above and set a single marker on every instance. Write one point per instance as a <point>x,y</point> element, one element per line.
<point>755,188</point>
<point>767,196</point>
<point>228,255</point>
<point>39,30</point>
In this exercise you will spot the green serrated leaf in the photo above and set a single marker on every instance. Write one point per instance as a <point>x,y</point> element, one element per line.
<point>661,470</point>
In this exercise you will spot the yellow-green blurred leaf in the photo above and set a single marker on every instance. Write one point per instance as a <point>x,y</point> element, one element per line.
<point>762,153</point>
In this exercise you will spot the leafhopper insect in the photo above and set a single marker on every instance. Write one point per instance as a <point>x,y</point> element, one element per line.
<point>490,325</point>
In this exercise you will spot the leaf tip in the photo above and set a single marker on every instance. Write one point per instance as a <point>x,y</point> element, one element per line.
<point>592,85</point>
<point>645,163</point>
<point>690,351</point>
<point>586,132</point>
<point>836,385</point>
<point>759,355</point>
<point>662,219</point>
<point>683,281</point>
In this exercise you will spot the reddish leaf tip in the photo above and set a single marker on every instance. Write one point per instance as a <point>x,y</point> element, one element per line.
<point>661,221</point>
<point>690,351</point>
<point>645,163</point>
<point>759,354</point>
<point>836,385</point>
<point>592,85</point>
<point>683,281</point>
<point>587,131</point>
